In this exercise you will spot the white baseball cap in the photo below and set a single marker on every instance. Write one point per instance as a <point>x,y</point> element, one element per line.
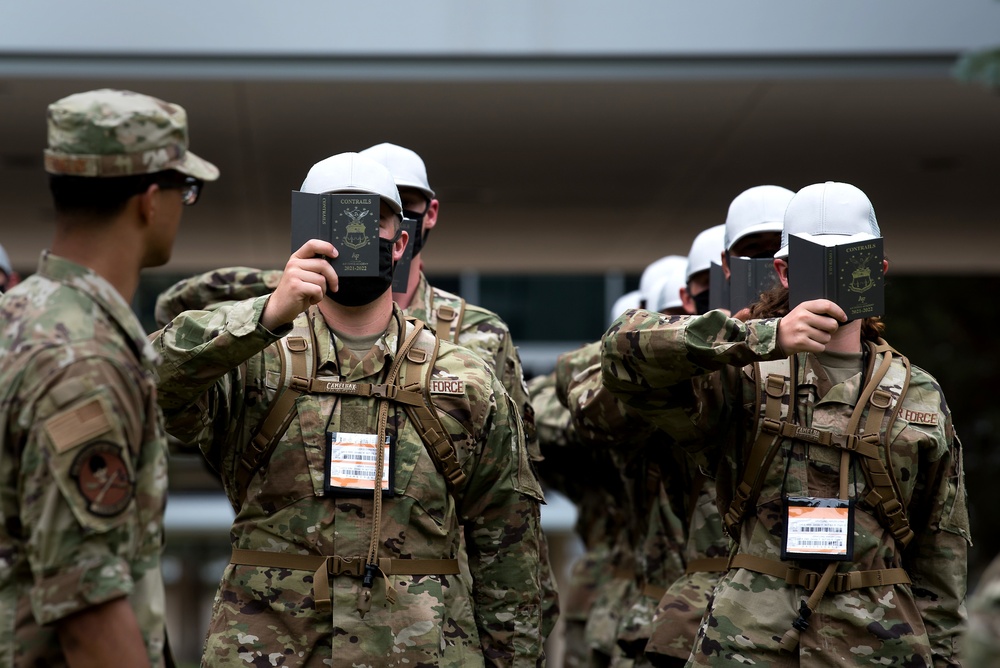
<point>668,294</point>
<point>352,173</point>
<point>706,248</point>
<point>624,303</point>
<point>829,209</point>
<point>654,275</point>
<point>407,168</point>
<point>5,262</point>
<point>758,209</point>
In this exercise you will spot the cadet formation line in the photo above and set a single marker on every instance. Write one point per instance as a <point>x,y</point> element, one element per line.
<point>774,487</point>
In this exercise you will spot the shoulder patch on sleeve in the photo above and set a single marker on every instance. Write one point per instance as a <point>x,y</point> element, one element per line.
<point>447,386</point>
<point>928,418</point>
<point>78,425</point>
<point>103,478</point>
<point>70,391</point>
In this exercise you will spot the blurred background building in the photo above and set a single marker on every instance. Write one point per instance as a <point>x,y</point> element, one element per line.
<point>571,142</point>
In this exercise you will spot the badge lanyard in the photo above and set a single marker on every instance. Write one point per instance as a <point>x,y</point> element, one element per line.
<point>371,564</point>
<point>791,637</point>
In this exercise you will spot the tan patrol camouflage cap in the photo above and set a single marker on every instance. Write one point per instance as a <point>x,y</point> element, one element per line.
<point>106,132</point>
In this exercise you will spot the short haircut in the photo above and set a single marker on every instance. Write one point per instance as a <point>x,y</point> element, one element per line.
<point>103,197</point>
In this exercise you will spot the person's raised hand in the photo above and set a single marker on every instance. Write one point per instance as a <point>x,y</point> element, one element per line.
<point>306,278</point>
<point>809,326</point>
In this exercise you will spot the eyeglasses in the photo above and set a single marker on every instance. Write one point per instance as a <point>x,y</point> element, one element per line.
<point>190,189</point>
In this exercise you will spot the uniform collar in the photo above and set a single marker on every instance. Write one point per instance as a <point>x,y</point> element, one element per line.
<point>90,283</point>
<point>337,359</point>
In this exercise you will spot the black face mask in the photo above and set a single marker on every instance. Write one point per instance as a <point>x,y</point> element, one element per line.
<point>419,236</point>
<point>701,302</point>
<point>361,290</point>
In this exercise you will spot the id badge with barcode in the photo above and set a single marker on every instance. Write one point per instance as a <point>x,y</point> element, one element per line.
<point>350,464</point>
<point>818,528</point>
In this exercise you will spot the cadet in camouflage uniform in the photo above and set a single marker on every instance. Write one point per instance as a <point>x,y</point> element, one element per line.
<point>349,576</point>
<point>900,599</point>
<point>752,229</point>
<point>649,552</point>
<point>589,478</point>
<point>470,326</point>
<point>478,329</point>
<point>645,555</point>
<point>83,466</point>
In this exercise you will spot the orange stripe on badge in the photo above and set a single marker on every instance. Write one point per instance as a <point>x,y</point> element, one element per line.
<point>77,425</point>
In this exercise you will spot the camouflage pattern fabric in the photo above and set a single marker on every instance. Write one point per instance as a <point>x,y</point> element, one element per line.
<point>582,475</point>
<point>981,642</point>
<point>654,497</point>
<point>482,332</point>
<point>679,612</point>
<point>212,289</point>
<point>102,133</point>
<point>648,362</point>
<point>84,462</point>
<point>486,334</point>
<point>217,380</point>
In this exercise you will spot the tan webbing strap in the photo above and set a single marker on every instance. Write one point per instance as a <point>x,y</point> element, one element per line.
<point>791,637</point>
<point>379,391</point>
<point>884,492</point>
<point>325,566</point>
<point>809,580</point>
<point>762,452</point>
<point>708,565</point>
<point>296,346</point>
<point>446,316</point>
<point>653,591</point>
<point>372,564</point>
<point>440,447</point>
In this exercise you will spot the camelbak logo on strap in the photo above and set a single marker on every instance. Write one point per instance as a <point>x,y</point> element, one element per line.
<point>808,434</point>
<point>336,387</point>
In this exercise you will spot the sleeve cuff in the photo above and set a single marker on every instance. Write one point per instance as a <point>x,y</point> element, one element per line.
<point>87,584</point>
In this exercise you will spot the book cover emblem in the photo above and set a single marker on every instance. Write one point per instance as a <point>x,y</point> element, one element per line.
<point>355,236</point>
<point>861,274</point>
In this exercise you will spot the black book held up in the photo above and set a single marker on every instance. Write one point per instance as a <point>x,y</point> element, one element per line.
<point>850,275</point>
<point>748,279</point>
<point>718,287</point>
<point>347,220</point>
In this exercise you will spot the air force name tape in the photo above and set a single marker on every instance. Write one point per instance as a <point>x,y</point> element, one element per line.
<point>447,386</point>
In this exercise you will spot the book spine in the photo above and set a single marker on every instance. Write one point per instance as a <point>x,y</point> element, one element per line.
<point>831,287</point>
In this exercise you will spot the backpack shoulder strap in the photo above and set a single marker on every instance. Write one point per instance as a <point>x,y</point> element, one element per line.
<point>772,390</point>
<point>420,359</point>
<point>883,490</point>
<point>298,362</point>
<point>449,310</point>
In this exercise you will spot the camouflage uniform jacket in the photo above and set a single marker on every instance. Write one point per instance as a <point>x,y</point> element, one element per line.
<point>216,381</point>
<point>482,332</point>
<point>83,467</point>
<point>688,497</point>
<point>486,334</point>
<point>653,493</point>
<point>648,361</point>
